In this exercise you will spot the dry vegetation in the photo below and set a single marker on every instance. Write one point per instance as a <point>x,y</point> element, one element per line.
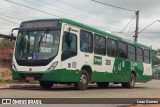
<point>5,73</point>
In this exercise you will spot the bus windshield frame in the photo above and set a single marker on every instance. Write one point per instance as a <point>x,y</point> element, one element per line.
<point>37,46</point>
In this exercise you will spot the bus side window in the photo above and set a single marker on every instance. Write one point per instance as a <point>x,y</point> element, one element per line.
<point>72,45</point>
<point>131,52</point>
<point>69,48</point>
<point>139,54</point>
<point>122,50</point>
<point>86,41</point>
<point>146,56</point>
<point>111,47</point>
<point>99,44</point>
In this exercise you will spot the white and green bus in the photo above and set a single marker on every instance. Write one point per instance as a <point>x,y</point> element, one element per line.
<point>64,51</point>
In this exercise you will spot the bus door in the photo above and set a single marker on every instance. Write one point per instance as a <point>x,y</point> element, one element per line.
<point>69,47</point>
<point>122,62</point>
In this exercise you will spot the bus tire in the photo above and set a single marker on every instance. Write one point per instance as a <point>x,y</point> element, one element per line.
<point>84,80</point>
<point>130,84</point>
<point>102,84</point>
<point>46,84</point>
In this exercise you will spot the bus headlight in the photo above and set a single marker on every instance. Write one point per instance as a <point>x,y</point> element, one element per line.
<point>53,66</point>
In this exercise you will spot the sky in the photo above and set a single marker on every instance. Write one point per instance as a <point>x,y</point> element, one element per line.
<point>94,14</point>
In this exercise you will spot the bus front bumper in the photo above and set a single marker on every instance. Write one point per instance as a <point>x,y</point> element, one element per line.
<point>60,75</point>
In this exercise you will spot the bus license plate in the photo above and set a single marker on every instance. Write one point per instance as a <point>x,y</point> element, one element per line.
<point>29,78</point>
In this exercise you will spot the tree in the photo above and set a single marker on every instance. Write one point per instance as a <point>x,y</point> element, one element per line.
<point>155,59</point>
<point>7,44</point>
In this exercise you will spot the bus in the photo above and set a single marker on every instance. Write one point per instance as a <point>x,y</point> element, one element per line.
<point>55,51</point>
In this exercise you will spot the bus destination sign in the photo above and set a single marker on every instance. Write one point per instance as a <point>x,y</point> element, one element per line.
<point>41,24</point>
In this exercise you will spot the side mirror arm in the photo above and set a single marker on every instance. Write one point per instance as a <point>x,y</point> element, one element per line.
<point>11,38</point>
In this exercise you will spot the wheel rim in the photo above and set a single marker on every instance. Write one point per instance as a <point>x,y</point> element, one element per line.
<point>83,80</point>
<point>132,81</point>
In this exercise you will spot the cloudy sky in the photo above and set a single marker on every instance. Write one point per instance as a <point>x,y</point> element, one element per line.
<point>88,12</point>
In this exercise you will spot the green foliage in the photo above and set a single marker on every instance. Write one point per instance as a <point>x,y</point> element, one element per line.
<point>155,59</point>
<point>7,44</point>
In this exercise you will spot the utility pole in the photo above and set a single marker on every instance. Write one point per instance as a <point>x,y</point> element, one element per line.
<point>137,25</point>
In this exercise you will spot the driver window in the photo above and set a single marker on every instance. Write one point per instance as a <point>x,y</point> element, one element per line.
<point>72,45</point>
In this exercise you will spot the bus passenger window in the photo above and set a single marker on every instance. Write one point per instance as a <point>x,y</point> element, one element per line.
<point>139,54</point>
<point>86,41</point>
<point>111,47</point>
<point>84,46</point>
<point>131,52</point>
<point>99,44</point>
<point>122,50</point>
<point>146,56</point>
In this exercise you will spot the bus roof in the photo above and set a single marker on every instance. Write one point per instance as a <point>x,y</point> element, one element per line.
<point>86,27</point>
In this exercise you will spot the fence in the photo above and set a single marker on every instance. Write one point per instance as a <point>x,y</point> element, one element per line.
<point>156,75</point>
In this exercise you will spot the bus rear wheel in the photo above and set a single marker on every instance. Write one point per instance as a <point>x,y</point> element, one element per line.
<point>102,84</point>
<point>130,84</point>
<point>46,84</point>
<point>84,80</point>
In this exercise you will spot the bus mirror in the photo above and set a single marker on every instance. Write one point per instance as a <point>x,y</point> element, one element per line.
<point>11,38</point>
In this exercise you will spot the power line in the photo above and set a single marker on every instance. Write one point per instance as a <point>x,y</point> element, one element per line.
<point>11,17</point>
<point>62,11</point>
<point>6,28</point>
<point>8,20</point>
<point>30,7</point>
<point>38,9</point>
<point>33,8</point>
<point>131,25</point>
<point>141,32</point>
<point>145,37</point>
<point>17,13</point>
<point>128,23</point>
<point>48,7</point>
<point>82,10</point>
<point>113,6</point>
<point>7,23</point>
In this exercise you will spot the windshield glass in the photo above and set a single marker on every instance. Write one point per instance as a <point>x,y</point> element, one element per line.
<point>37,45</point>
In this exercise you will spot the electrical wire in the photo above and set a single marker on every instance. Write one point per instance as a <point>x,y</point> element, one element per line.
<point>128,23</point>
<point>8,20</point>
<point>32,8</point>
<point>7,23</point>
<point>17,13</point>
<point>64,12</point>
<point>113,5</point>
<point>62,2</point>
<point>131,25</point>
<point>11,17</point>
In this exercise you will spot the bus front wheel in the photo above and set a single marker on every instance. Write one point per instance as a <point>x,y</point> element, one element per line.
<point>84,80</point>
<point>46,84</point>
<point>131,83</point>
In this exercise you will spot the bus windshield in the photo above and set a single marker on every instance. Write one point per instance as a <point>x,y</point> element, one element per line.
<point>37,45</point>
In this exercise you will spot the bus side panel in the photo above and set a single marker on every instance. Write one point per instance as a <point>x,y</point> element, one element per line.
<point>121,70</point>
